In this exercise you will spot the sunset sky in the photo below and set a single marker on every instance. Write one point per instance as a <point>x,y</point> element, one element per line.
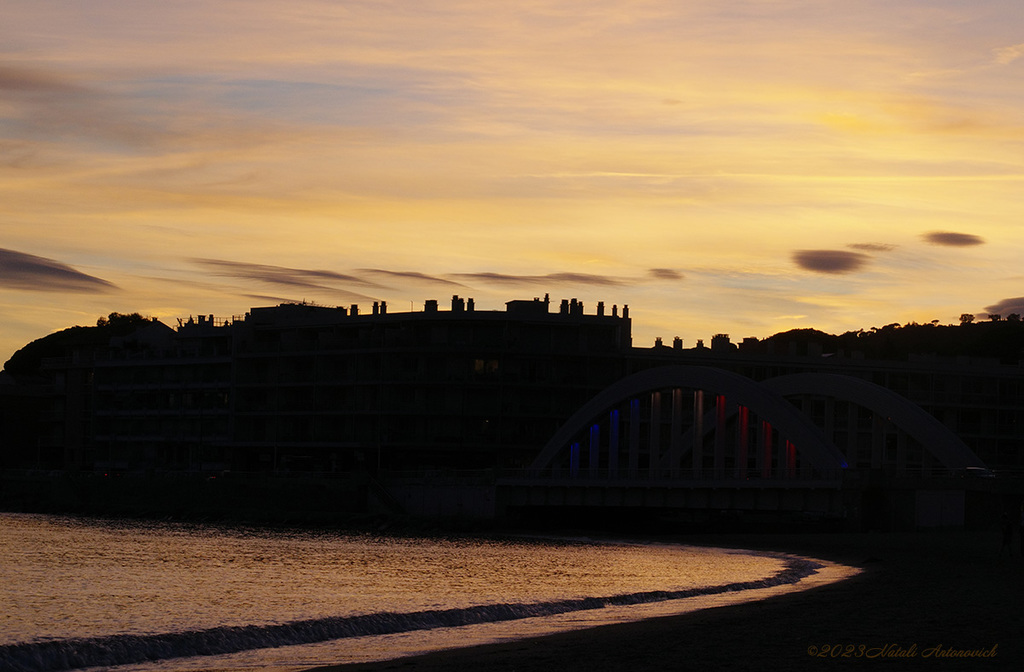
<point>743,167</point>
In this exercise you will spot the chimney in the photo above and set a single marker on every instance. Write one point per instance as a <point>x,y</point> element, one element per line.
<point>677,343</point>
<point>430,306</point>
<point>353,309</point>
<point>600,308</point>
<point>376,308</point>
<point>383,307</point>
<point>470,305</point>
<point>458,305</point>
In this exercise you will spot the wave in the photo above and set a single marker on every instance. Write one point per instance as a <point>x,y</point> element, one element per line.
<point>70,654</point>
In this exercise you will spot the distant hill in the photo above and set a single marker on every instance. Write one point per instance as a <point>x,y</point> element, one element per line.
<point>26,361</point>
<point>998,339</point>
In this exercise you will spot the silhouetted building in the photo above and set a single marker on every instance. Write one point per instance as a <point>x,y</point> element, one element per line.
<point>311,388</point>
<point>300,387</point>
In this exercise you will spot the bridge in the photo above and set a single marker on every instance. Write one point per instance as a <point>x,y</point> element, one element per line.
<point>691,438</point>
<point>692,441</point>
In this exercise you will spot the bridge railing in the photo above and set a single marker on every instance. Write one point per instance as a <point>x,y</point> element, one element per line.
<point>751,476</point>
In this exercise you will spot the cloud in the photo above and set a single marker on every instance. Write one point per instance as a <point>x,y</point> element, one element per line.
<point>1007,55</point>
<point>26,80</point>
<point>550,278</point>
<point>665,274</point>
<point>872,247</point>
<point>951,239</point>
<point>27,271</point>
<point>281,275</point>
<point>411,275</point>
<point>830,261</point>
<point>49,106</point>
<point>1007,307</point>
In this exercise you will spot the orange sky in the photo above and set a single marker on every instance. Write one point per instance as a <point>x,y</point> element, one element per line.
<point>742,167</point>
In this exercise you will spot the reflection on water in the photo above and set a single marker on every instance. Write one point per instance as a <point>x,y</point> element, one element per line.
<point>65,579</point>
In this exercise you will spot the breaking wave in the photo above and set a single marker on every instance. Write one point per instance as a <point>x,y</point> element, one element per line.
<point>70,654</point>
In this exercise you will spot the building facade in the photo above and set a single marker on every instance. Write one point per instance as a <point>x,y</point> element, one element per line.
<point>304,388</point>
<point>309,388</point>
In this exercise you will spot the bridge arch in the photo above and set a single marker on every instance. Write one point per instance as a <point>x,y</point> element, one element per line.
<point>948,448</point>
<point>814,447</point>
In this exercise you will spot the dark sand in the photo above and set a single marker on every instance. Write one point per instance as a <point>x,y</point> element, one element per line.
<point>918,591</point>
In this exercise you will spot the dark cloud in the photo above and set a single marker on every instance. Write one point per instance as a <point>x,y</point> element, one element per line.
<point>25,80</point>
<point>872,247</point>
<point>550,278</point>
<point>48,105</point>
<point>830,261</point>
<point>1007,307</point>
<point>27,271</point>
<point>281,275</point>
<point>665,274</point>
<point>411,275</point>
<point>951,239</point>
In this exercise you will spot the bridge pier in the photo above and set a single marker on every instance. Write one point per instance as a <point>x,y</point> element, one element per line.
<point>742,440</point>
<point>654,443</point>
<point>697,462</point>
<point>676,428</point>
<point>634,435</point>
<point>720,437</point>
<point>613,443</point>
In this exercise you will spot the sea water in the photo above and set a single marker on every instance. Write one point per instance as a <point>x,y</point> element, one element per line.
<point>87,593</point>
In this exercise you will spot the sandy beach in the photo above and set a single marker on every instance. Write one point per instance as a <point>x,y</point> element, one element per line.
<point>929,600</point>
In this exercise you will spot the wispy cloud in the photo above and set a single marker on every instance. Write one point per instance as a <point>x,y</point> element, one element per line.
<point>1007,55</point>
<point>47,104</point>
<point>413,276</point>
<point>953,239</point>
<point>872,247</point>
<point>19,270</point>
<point>665,274</point>
<point>1007,307</point>
<point>830,261</point>
<point>281,275</point>
<point>550,278</point>
<point>36,81</point>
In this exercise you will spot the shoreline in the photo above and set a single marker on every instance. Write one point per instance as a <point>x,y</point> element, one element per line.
<point>920,599</point>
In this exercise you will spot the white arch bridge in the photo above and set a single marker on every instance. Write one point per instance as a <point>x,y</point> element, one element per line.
<point>697,437</point>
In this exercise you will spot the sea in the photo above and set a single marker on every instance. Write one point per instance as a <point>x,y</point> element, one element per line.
<point>142,596</point>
